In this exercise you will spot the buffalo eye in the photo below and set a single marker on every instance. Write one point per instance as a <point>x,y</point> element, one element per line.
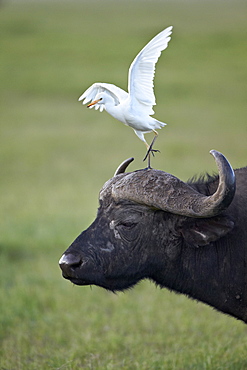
<point>126,221</point>
<point>128,231</point>
<point>127,224</point>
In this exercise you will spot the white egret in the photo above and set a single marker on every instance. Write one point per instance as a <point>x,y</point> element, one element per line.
<point>135,107</point>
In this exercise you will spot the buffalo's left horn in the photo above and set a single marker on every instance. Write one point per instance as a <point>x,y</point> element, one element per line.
<point>122,167</point>
<point>161,190</point>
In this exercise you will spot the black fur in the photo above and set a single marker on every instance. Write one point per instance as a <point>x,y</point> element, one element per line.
<point>203,258</point>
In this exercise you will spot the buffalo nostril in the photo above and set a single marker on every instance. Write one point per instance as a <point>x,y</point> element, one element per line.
<point>69,260</point>
<point>68,263</point>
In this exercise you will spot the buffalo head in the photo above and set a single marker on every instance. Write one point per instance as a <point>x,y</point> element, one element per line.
<point>144,220</point>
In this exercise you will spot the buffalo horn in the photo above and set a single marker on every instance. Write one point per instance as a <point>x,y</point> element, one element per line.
<point>161,190</point>
<point>122,167</point>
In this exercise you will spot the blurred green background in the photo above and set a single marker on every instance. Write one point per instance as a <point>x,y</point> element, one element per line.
<point>55,156</point>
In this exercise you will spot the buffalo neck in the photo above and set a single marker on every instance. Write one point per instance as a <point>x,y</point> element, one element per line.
<point>213,274</point>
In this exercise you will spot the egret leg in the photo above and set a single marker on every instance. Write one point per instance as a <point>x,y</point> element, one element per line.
<point>150,149</point>
<point>148,157</point>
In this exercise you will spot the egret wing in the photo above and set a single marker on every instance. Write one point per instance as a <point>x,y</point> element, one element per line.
<point>91,93</point>
<point>142,69</point>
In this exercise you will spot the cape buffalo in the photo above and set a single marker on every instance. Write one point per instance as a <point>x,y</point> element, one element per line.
<point>189,237</point>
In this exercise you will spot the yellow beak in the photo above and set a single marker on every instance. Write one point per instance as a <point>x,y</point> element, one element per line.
<point>93,103</point>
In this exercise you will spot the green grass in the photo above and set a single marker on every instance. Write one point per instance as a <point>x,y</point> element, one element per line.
<point>55,155</point>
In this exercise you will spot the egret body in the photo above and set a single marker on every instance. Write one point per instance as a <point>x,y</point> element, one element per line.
<point>135,107</point>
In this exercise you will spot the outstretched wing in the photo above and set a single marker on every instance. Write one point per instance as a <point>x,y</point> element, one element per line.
<point>90,94</point>
<point>142,69</point>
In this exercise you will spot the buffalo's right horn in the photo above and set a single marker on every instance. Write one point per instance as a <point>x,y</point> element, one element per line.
<point>161,190</point>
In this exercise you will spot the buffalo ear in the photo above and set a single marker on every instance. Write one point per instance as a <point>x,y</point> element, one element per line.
<point>200,232</point>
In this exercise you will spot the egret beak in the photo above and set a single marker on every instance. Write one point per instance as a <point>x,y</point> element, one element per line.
<point>93,103</point>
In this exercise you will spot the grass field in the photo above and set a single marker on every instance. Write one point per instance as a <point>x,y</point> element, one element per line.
<point>55,155</point>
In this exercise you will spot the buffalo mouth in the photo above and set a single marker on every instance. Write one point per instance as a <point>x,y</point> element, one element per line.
<point>113,285</point>
<point>77,281</point>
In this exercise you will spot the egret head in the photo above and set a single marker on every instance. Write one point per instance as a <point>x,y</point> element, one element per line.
<point>103,99</point>
<point>98,100</point>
